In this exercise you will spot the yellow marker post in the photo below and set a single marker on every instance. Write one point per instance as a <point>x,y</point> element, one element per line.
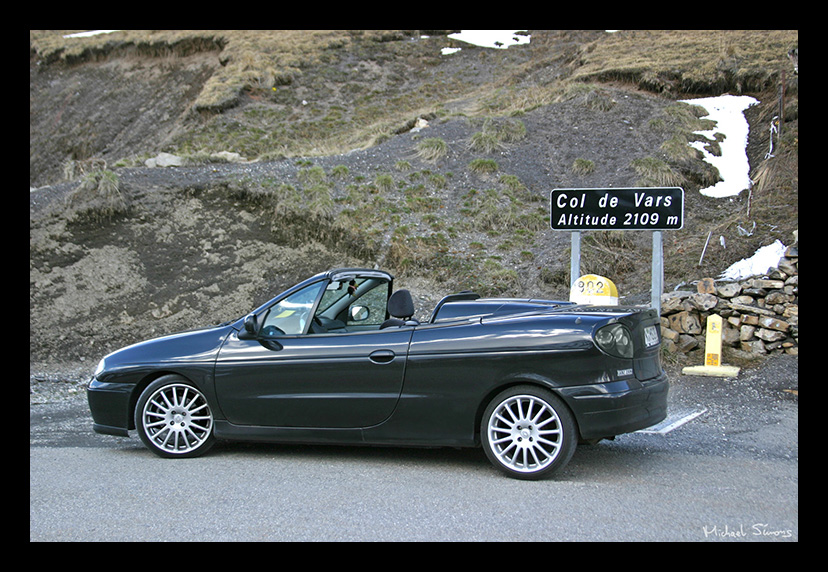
<point>713,341</point>
<point>594,289</point>
<point>713,353</point>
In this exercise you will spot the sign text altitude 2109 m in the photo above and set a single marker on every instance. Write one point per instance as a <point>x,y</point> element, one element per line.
<point>646,208</point>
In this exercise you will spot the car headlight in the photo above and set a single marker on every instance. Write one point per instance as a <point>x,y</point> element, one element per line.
<point>100,368</point>
<point>616,340</point>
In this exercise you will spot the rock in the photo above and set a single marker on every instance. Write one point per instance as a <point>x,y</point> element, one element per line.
<point>419,125</point>
<point>729,290</point>
<point>706,286</point>
<point>685,323</point>
<point>788,266</point>
<point>756,347</point>
<point>669,346</point>
<point>745,309</point>
<point>731,336</point>
<point>669,334</point>
<point>687,343</point>
<point>774,324</point>
<point>762,313</point>
<point>671,302</point>
<point>778,297</point>
<point>164,160</point>
<point>754,292</point>
<point>703,301</point>
<point>770,335</point>
<point>228,156</point>
<point>760,283</point>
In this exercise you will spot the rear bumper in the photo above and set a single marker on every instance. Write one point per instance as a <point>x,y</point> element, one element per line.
<point>608,409</point>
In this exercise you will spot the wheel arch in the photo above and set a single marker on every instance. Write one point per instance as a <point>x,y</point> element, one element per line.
<point>514,381</point>
<point>143,384</point>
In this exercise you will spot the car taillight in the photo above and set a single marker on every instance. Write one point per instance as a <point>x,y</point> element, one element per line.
<point>616,340</point>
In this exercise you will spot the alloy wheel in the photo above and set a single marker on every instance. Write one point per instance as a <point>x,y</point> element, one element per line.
<point>528,433</point>
<point>176,419</point>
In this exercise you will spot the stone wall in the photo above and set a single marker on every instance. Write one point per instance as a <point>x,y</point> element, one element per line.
<point>759,315</point>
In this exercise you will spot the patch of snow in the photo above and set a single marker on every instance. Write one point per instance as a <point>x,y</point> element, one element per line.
<point>90,33</point>
<point>728,113</point>
<point>765,258</point>
<point>500,39</point>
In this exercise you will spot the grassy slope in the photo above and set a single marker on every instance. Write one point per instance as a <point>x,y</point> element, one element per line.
<point>368,85</point>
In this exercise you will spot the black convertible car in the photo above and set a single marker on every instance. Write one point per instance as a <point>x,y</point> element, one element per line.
<point>339,358</point>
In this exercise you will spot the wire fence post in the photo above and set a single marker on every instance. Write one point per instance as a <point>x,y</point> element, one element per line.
<point>781,112</point>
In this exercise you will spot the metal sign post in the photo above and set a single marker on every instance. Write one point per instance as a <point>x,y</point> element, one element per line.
<point>657,273</point>
<point>646,208</point>
<point>575,257</point>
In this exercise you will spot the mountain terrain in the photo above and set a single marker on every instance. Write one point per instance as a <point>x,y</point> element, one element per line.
<point>297,151</point>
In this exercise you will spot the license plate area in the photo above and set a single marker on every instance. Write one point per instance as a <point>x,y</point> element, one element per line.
<point>651,336</point>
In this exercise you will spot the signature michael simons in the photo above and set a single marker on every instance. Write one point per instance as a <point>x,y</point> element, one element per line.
<point>758,529</point>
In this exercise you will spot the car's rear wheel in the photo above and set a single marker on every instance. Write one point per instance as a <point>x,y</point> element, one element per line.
<point>173,418</point>
<point>528,432</point>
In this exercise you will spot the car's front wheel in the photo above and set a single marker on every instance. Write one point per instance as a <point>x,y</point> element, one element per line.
<point>528,432</point>
<point>173,418</point>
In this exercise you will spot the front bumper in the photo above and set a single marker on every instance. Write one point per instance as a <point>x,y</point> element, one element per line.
<point>609,409</point>
<point>109,404</point>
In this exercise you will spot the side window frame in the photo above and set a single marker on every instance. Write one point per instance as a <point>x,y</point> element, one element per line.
<point>338,308</point>
<point>380,305</point>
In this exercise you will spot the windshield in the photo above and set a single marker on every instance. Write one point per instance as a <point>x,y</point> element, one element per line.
<point>292,314</point>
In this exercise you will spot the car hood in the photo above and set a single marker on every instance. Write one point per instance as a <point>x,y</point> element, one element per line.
<point>191,346</point>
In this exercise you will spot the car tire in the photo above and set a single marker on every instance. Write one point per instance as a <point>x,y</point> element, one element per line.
<point>528,433</point>
<point>174,419</point>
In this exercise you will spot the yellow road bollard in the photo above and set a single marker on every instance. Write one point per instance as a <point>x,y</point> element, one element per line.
<point>713,341</point>
<point>713,353</point>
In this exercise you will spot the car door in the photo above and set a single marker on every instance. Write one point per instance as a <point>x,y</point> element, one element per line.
<point>321,380</point>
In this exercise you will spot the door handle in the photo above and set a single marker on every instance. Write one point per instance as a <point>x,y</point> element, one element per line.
<point>382,356</point>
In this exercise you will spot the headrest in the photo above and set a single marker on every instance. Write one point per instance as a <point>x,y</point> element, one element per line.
<point>400,304</point>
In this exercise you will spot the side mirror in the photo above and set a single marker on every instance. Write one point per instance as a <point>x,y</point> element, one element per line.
<point>250,327</point>
<point>359,313</point>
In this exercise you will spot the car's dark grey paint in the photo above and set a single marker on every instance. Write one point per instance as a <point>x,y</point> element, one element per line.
<point>324,362</point>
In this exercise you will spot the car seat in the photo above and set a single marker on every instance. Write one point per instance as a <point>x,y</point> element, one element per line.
<point>401,310</point>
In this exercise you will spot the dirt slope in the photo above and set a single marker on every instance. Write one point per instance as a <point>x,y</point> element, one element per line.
<point>202,244</point>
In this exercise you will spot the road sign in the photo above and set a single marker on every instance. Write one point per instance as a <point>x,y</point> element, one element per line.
<point>645,208</point>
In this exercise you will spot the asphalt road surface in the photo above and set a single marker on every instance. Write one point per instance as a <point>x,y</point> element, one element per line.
<point>723,469</point>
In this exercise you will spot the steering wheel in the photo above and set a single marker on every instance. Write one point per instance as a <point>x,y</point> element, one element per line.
<point>271,332</point>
